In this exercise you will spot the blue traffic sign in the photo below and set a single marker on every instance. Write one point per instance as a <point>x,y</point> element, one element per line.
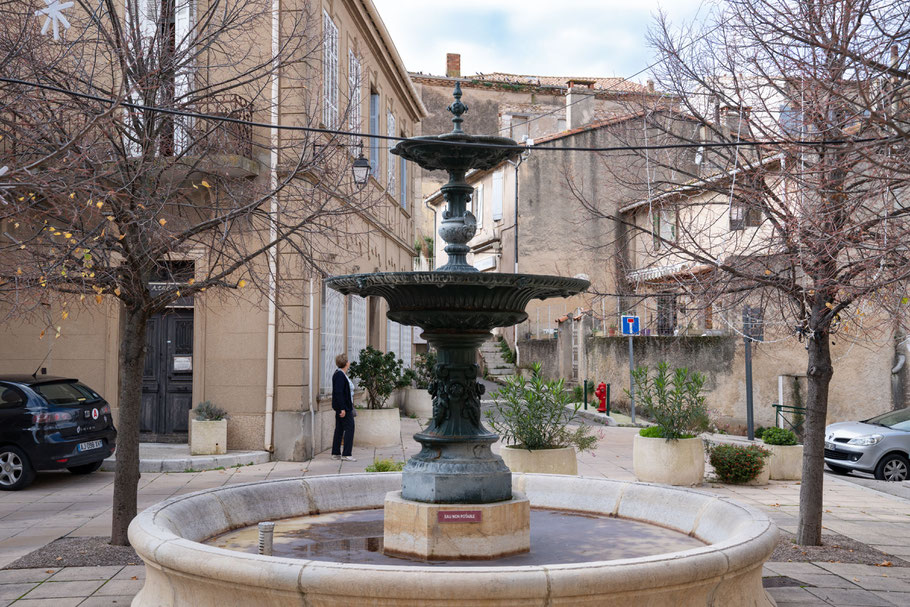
<point>630,325</point>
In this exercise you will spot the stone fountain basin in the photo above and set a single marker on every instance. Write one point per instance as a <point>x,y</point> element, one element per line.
<point>182,571</point>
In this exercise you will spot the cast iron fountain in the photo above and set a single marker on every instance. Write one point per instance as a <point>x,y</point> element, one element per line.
<point>182,540</point>
<point>457,306</point>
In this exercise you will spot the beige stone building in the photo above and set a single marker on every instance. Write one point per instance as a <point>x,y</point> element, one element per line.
<point>269,361</point>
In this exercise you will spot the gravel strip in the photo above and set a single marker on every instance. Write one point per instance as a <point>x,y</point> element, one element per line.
<point>77,552</point>
<point>835,548</point>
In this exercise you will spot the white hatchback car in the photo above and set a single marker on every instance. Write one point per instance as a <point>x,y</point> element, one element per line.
<point>879,446</point>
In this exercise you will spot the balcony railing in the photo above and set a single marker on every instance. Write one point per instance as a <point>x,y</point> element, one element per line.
<point>422,264</point>
<point>212,136</point>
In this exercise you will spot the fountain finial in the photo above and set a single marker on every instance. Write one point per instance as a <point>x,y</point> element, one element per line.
<point>458,108</point>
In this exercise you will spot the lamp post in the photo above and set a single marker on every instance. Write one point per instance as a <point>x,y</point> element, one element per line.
<point>361,169</point>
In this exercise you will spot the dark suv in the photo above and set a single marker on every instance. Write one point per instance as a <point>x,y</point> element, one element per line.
<point>48,423</point>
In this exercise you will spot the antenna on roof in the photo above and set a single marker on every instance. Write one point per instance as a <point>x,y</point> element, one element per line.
<point>49,350</point>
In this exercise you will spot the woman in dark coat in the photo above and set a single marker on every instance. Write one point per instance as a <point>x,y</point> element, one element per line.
<point>343,404</point>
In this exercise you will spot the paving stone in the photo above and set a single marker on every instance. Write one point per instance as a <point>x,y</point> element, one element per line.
<point>882,582</point>
<point>794,596</point>
<point>902,599</point>
<point>14,591</point>
<point>60,602</point>
<point>845,596</point>
<point>71,574</point>
<point>120,587</point>
<point>123,600</point>
<point>82,588</point>
<point>18,576</point>
<point>131,571</point>
<point>826,580</point>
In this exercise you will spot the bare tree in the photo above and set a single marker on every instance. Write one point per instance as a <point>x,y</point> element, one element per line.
<point>793,197</point>
<point>106,190</point>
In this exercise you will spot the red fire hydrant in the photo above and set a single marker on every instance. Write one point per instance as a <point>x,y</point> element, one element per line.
<point>601,394</point>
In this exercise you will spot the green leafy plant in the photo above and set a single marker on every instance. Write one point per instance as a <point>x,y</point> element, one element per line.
<point>385,465</point>
<point>779,436</point>
<point>379,374</point>
<point>656,432</point>
<point>534,413</point>
<point>428,247</point>
<point>206,411</point>
<point>425,367</point>
<point>737,463</point>
<point>759,432</point>
<point>508,354</point>
<point>673,400</point>
<point>418,246</point>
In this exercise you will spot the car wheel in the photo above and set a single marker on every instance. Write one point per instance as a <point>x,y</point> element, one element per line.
<point>892,467</point>
<point>837,469</point>
<point>85,468</point>
<point>15,470</point>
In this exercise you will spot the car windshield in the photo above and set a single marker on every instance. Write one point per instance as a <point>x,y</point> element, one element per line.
<point>896,420</point>
<point>63,393</point>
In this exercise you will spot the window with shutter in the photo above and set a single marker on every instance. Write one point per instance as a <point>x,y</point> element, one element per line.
<point>390,157</point>
<point>357,326</point>
<point>497,196</point>
<point>354,84</point>
<point>184,15</point>
<point>403,197</point>
<point>477,204</point>
<point>141,27</point>
<point>374,130</point>
<point>329,72</point>
<point>331,342</point>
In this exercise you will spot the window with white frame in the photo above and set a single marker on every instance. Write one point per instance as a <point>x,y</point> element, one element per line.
<point>477,204</point>
<point>393,337</point>
<point>329,72</point>
<point>331,336</point>
<point>497,196</point>
<point>357,326</point>
<point>354,85</point>
<point>390,157</point>
<point>663,226</point>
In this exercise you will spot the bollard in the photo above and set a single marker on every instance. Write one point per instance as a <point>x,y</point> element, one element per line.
<point>586,394</point>
<point>266,535</point>
<point>608,400</point>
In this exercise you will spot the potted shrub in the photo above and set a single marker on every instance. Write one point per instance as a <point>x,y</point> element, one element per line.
<point>208,430</point>
<point>533,416</point>
<point>612,330</point>
<point>740,464</point>
<point>418,402</point>
<point>786,462</point>
<point>670,452</point>
<point>378,375</point>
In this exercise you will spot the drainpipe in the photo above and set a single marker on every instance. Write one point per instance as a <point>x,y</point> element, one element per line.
<point>273,234</point>
<point>426,203</point>
<point>517,164</point>
<point>312,382</point>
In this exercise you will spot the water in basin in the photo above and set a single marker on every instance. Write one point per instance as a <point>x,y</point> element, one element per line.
<point>556,537</point>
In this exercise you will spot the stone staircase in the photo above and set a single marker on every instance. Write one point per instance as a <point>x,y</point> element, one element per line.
<point>497,368</point>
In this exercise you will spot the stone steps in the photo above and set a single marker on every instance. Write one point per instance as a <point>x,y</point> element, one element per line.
<point>494,362</point>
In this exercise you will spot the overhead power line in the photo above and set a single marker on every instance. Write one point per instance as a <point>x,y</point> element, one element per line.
<point>517,148</point>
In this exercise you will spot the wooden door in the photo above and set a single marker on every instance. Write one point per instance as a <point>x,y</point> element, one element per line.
<point>167,386</point>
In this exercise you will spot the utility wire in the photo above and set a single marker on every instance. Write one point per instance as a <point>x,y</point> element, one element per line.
<point>517,148</point>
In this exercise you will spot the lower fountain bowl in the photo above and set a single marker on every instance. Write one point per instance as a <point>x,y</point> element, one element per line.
<point>181,571</point>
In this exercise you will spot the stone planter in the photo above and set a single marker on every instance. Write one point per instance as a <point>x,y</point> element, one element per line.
<point>561,460</point>
<point>377,428</point>
<point>418,402</point>
<point>786,462</point>
<point>208,438</point>
<point>680,462</point>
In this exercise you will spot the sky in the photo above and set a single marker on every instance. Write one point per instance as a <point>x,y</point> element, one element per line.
<point>542,37</point>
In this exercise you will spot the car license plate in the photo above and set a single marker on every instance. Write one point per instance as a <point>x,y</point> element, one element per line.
<point>831,446</point>
<point>94,444</point>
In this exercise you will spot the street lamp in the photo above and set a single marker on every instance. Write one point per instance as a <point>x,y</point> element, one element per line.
<point>361,169</point>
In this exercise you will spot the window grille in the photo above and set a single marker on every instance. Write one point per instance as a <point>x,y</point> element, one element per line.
<point>406,347</point>
<point>357,326</point>
<point>329,72</point>
<point>666,314</point>
<point>331,342</point>
<point>393,337</point>
<point>404,184</point>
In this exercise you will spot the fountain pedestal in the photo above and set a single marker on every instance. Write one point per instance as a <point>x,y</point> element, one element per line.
<point>456,531</point>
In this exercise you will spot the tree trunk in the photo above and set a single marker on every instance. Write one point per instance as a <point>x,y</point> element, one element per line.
<point>126,479</point>
<point>809,530</point>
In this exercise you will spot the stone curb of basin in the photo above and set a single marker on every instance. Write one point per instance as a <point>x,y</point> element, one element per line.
<point>194,462</point>
<point>181,571</point>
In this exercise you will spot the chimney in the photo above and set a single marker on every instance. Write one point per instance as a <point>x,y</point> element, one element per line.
<point>729,117</point>
<point>453,65</point>
<point>579,103</point>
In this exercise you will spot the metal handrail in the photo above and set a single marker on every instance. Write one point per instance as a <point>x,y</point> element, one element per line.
<point>781,419</point>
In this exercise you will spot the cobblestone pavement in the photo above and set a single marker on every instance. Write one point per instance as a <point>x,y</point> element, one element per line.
<point>60,504</point>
